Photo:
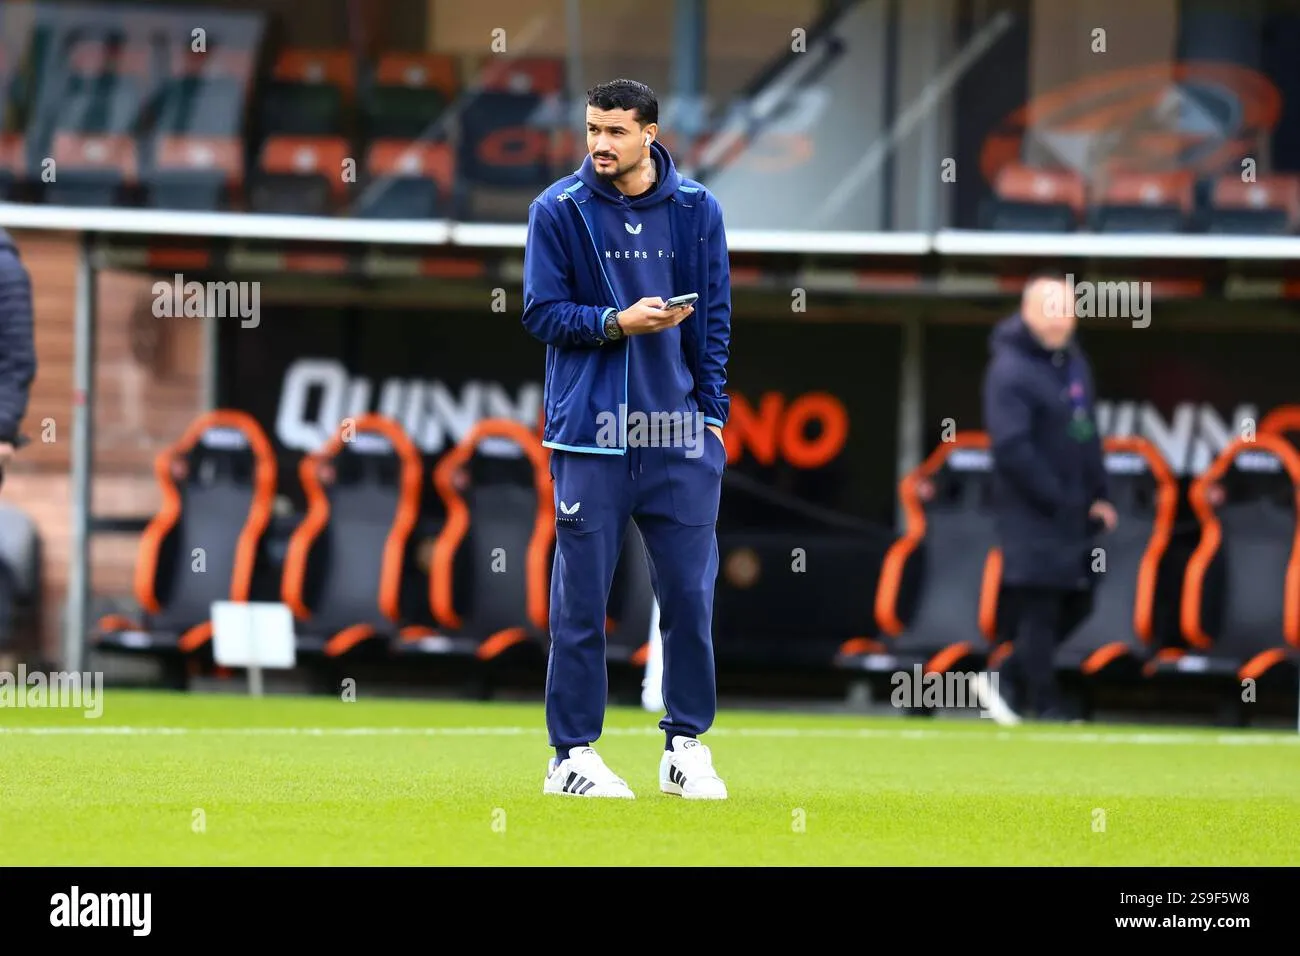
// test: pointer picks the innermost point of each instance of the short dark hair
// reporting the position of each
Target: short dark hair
(626, 95)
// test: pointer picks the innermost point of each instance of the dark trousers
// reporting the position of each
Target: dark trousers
(1042, 618)
(673, 494)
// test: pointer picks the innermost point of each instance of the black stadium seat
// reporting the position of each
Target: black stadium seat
(489, 578)
(218, 485)
(1240, 609)
(936, 600)
(346, 561)
(1121, 629)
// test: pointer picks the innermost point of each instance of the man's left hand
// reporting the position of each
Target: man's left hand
(1105, 512)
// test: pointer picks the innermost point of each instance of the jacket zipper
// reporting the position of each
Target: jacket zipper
(627, 347)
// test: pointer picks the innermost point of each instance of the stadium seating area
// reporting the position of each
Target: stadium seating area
(1037, 199)
(255, 127)
(361, 583)
(313, 132)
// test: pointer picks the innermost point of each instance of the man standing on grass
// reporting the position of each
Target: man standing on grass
(1050, 487)
(606, 248)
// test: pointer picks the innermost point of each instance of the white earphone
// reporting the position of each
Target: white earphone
(647, 139)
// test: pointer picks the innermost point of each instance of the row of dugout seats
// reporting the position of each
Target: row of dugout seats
(1226, 609)
(1037, 199)
(361, 577)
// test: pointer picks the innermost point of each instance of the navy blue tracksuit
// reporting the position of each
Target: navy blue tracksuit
(626, 421)
(1048, 469)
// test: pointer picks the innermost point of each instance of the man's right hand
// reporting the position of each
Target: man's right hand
(648, 315)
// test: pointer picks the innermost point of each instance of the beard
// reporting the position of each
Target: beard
(617, 171)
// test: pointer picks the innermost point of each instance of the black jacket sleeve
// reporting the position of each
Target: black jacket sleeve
(17, 345)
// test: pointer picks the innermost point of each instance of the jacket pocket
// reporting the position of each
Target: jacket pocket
(566, 371)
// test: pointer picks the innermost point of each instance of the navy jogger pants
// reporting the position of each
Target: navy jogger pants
(672, 493)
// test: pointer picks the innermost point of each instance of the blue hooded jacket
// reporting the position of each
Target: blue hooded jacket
(592, 251)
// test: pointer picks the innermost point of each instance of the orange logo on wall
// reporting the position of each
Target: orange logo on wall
(808, 432)
(1162, 118)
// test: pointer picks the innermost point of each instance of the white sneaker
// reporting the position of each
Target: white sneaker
(687, 771)
(584, 774)
(993, 702)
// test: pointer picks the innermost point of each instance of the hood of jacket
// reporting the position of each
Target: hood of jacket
(667, 180)
(1013, 334)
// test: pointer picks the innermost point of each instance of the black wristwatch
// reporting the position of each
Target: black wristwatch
(613, 331)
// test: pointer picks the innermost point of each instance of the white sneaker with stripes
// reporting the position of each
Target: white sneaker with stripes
(687, 771)
(584, 774)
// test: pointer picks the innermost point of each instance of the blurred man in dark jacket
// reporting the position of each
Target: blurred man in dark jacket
(1050, 482)
(17, 346)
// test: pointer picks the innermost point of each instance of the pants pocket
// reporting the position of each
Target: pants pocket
(695, 481)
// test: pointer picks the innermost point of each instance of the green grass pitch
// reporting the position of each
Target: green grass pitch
(193, 780)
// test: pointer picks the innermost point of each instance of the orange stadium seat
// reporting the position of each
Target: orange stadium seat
(346, 562)
(300, 175)
(408, 179)
(1029, 199)
(1124, 625)
(195, 172)
(1268, 206)
(1145, 202)
(309, 94)
(218, 484)
(93, 170)
(937, 594)
(410, 94)
(1240, 603)
(489, 580)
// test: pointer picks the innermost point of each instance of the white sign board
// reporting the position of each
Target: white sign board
(253, 635)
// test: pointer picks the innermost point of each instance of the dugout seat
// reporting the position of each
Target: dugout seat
(218, 486)
(1240, 606)
(1284, 420)
(489, 576)
(1122, 627)
(936, 598)
(345, 562)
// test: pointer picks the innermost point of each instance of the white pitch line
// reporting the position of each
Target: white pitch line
(1172, 738)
